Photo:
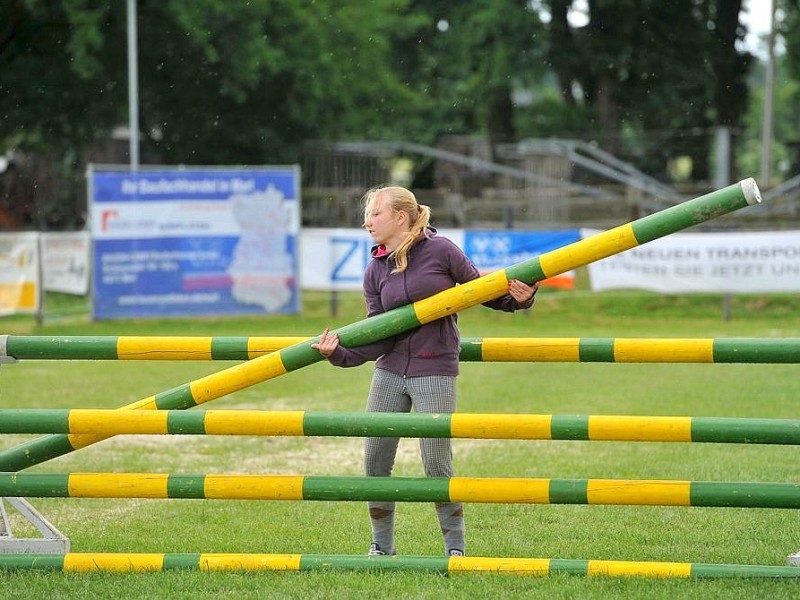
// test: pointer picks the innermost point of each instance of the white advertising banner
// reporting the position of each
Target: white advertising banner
(19, 273)
(748, 262)
(65, 262)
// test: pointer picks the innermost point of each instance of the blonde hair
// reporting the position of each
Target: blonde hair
(399, 199)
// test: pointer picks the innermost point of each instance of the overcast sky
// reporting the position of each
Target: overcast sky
(756, 15)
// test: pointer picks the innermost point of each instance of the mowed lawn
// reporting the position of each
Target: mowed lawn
(676, 534)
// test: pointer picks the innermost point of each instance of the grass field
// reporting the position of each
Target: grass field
(694, 534)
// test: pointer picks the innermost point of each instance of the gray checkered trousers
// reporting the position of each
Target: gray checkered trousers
(430, 394)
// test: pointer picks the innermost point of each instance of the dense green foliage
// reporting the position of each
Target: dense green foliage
(236, 82)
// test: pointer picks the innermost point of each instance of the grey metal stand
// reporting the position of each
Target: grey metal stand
(51, 542)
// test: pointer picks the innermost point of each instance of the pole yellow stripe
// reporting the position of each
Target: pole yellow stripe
(78, 440)
(672, 350)
(640, 429)
(108, 423)
(259, 346)
(531, 349)
(250, 562)
(506, 490)
(589, 250)
(614, 568)
(236, 378)
(655, 492)
(254, 422)
(508, 427)
(451, 301)
(117, 485)
(254, 487)
(522, 566)
(164, 348)
(117, 563)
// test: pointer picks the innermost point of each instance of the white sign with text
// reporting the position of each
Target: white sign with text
(746, 262)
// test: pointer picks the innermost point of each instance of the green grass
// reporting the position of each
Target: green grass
(581, 532)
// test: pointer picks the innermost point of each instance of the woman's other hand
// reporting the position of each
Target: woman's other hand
(522, 292)
(328, 342)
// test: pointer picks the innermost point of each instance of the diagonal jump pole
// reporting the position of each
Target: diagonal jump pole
(404, 318)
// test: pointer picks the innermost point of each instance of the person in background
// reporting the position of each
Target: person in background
(416, 369)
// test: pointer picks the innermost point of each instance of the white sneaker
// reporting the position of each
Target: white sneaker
(455, 552)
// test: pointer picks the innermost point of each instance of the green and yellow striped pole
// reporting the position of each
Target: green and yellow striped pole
(639, 492)
(618, 428)
(487, 349)
(74, 562)
(133, 347)
(408, 317)
(632, 350)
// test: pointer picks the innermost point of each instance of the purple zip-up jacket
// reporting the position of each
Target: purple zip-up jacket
(434, 264)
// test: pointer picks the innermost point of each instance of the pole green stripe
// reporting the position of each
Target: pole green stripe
(179, 422)
(691, 212)
(380, 326)
(745, 431)
(744, 494)
(471, 350)
(377, 424)
(43, 485)
(177, 398)
(311, 562)
(569, 427)
(744, 350)
(186, 486)
(596, 349)
(34, 420)
(301, 355)
(32, 562)
(232, 348)
(434, 564)
(706, 570)
(569, 491)
(34, 452)
(406, 489)
(530, 270)
(181, 561)
(404, 318)
(60, 348)
(570, 566)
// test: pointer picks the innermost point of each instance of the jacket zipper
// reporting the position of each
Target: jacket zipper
(408, 298)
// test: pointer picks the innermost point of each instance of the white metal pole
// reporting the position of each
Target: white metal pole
(766, 129)
(133, 86)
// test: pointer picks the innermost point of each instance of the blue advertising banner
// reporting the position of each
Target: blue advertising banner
(494, 250)
(194, 241)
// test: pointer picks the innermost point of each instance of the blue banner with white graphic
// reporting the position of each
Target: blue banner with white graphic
(494, 250)
(196, 241)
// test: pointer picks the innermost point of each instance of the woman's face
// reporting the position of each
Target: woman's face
(386, 226)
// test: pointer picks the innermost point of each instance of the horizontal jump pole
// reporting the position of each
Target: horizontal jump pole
(405, 318)
(621, 428)
(474, 349)
(403, 489)
(74, 562)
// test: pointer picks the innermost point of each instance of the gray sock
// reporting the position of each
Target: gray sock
(381, 516)
(451, 520)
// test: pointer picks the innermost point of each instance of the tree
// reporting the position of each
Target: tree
(652, 64)
(219, 81)
(469, 58)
